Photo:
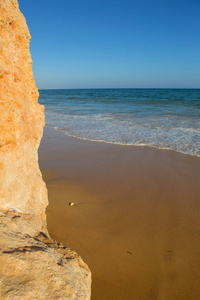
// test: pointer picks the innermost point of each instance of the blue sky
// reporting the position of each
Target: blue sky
(114, 43)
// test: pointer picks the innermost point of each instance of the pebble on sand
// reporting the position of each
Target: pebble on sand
(71, 203)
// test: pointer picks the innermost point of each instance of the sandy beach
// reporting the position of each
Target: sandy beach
(136, 218)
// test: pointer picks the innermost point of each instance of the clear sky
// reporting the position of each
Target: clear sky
(114, 43)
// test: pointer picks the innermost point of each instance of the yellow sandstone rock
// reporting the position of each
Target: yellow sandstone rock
(32, 266)
(21, 121)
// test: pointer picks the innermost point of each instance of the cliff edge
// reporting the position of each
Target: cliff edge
(32, 265)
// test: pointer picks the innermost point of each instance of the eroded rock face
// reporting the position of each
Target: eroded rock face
(21, 122)
(36, 267)
(32, 266)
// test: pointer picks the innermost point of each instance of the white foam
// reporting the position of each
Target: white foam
(176, 133)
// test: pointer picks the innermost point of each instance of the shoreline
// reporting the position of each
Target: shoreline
(136, 215)
(118, 144)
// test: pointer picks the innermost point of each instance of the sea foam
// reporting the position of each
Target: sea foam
(166, 119)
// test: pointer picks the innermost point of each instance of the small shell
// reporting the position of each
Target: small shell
(71, 203)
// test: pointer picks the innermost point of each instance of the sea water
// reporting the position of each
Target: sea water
(160, 118)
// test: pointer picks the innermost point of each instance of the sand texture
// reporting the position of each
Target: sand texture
(136, 218)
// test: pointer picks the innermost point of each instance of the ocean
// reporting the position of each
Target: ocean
(160, 118)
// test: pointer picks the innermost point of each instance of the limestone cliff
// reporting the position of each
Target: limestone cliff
(32, 266)
(21, 122)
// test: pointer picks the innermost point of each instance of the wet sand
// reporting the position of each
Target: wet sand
(136, 218)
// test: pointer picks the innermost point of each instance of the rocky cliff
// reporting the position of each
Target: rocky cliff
(32, 266)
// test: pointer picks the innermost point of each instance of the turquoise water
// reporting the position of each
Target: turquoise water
(161, 118)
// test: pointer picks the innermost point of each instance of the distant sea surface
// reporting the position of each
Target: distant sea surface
(160, 118)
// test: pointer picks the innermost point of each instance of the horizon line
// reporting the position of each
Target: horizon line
(125, 88)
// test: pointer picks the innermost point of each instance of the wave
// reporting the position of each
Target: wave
(176, 133)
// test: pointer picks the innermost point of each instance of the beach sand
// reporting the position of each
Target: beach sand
(136, 218)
